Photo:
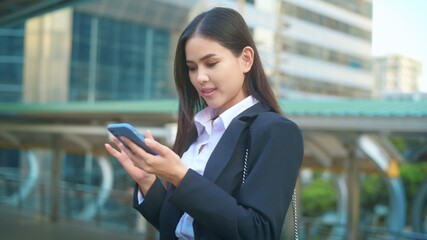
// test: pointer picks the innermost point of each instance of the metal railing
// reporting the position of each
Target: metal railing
(77, 202)
(117, 214)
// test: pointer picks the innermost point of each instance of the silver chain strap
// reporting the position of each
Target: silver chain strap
(245, 165)
(294, 195)
(295, 214)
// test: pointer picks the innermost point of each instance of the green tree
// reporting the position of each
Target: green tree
(318, 197)
(373, 191)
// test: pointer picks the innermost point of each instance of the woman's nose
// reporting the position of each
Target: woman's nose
(202, 76)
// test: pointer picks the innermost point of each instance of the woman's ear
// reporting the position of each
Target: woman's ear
(247, 58)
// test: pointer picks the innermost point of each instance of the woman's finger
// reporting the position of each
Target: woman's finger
(119, 144)
(135, 150)
(156, 146)
(148, 134)
(112, 150)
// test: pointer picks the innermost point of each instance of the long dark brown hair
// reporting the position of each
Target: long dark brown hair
(227, 27)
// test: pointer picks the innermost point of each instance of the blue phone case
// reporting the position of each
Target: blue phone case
(128, 131)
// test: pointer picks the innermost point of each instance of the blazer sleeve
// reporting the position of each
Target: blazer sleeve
(152, 204)
(259, 211)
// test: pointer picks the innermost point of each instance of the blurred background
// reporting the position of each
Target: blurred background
(68, 68)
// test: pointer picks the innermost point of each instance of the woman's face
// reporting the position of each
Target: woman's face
(216, 73)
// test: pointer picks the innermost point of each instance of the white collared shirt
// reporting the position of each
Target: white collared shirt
(210, 129)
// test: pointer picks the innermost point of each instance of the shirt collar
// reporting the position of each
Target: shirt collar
(203, 118)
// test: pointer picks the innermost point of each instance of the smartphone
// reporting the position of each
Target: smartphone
(128, 131)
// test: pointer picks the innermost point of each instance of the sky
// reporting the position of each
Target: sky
(400, 27)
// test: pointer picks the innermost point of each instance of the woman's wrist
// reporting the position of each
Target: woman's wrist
(146, 184)
(178, 176)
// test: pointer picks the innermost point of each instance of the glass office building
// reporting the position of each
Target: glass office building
(118, 60)
(78, 54)
(11, 63)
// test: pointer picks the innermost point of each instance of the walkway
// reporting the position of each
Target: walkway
(21, 225)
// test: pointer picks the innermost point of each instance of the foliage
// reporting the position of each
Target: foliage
(412, 174)
(400, 143)
(318, 197)
(413, 150)
(373, 191)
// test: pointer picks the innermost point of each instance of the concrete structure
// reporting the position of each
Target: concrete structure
(325, 48)
(347, 136)
(396, 74)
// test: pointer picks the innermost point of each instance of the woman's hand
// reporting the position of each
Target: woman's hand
(141, 177)
(167, 164)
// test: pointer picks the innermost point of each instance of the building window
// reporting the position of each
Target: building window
(324, 21)
(11, 63)
(118, 60)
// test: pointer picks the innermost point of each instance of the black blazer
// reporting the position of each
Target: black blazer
(221, 206)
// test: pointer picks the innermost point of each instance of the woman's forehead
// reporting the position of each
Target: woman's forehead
(199, 47)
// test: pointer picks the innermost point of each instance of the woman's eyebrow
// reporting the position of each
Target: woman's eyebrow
(203, 58)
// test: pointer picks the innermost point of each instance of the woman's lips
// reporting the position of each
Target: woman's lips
(207, 92)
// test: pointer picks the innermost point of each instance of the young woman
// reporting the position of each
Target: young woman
(234, 165)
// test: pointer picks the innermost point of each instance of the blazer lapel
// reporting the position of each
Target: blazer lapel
(224, 150)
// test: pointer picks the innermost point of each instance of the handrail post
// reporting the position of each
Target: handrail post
(55, 181)
(353, 183)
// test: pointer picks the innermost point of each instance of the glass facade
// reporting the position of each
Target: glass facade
(11, 63)
(118, 60)
(11, 68)
(110, 59)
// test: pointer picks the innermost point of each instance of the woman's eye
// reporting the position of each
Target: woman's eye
(211, 64)
(192, 68)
